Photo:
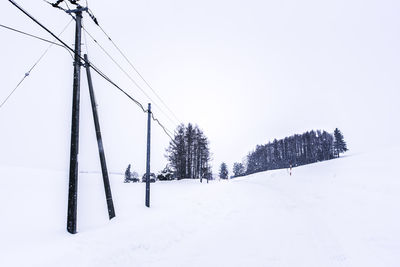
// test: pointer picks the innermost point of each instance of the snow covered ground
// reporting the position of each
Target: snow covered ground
(343, 212)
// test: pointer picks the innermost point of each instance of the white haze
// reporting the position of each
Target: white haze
(244, 71)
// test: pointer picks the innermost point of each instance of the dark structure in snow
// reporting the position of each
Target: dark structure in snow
(189, 154)
(166, 174)
(296, 150)
(131, 176)
(153, 178)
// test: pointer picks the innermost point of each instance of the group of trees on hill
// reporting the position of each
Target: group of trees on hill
(296, 150)
(189, 154)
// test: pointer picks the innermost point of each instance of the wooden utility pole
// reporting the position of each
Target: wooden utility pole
(148, 158)
(73, 165)
(107, 188)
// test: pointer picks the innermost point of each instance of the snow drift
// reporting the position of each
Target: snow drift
(342, 212)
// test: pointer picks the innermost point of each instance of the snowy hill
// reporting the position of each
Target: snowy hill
(342, 212)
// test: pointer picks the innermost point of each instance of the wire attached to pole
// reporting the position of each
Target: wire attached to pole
(127, 74)
(131, 64)
(91, 65)
(30, 35)
(34, 65)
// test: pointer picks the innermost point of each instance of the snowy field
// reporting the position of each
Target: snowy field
(343, 212)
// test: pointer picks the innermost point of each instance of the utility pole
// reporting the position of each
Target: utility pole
(73, 165)
(107, 188)
(148, 158)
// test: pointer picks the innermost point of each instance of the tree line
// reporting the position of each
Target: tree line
(295, 150)
(189, 155)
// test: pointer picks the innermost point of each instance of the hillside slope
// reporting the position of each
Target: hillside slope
(343, 212)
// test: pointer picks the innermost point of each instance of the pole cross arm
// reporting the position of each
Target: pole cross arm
(78, 9)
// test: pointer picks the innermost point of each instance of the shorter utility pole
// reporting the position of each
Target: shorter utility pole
(107, 188)
(148, 158)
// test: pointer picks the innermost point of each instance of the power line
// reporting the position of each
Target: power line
(12, 92)
(34, 65)
(127, 74)
(166, 131)
(115, 85)
(118, 65)
(41, 25)
(140, 75)
(31, 35)
(162, 126)
(91, 65)
(131, 64)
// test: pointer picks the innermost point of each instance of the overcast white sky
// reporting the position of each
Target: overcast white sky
(245, 71)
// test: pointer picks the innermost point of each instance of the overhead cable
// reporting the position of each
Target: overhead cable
(31, 35)
(91, 65)
(127, 74)
(90, 13)
(131, 64)
(34, 65)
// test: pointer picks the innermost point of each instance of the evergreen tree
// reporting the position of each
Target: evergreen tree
(189, 139)
(238, 169)
(128, 174)
(223, 171)
(189, 153)
(339, 144)
(176, 153)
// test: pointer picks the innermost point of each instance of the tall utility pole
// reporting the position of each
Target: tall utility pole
(148, 158)
(73, 164)
(73, 167)
(107, 189)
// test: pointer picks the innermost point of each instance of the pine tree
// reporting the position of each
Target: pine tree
(176, 153)
(223, 171)
(189, 153)
(189, 139)
(128, 174)
(339, 144)
(238, 169)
